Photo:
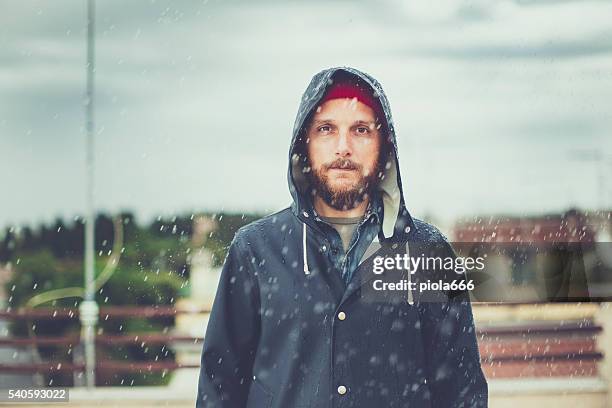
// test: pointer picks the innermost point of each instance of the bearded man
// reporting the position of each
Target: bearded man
(290, 326)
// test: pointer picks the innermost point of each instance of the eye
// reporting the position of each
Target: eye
(362, 130)
(324, 128)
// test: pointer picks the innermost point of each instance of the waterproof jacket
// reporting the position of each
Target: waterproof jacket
(286, 332)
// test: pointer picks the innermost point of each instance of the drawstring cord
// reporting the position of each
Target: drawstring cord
(306, 270)
(410, 299)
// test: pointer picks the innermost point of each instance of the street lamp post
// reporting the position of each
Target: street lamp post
(88, 310)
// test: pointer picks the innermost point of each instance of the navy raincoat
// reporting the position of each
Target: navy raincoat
(286, 332)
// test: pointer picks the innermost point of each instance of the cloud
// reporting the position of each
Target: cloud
(195, 100)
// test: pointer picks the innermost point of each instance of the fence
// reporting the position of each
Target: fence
(536, 349)
(102, 340)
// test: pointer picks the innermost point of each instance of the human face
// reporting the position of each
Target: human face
(343, 145)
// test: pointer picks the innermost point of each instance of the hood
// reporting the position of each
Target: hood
(397, 222)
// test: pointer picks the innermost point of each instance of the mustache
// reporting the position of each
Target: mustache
(344, 164)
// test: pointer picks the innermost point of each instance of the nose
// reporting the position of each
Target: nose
(343, 148)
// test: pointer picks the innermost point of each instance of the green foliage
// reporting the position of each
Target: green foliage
(39, 271)
(130, 284)
(219, 251)
(153, 270)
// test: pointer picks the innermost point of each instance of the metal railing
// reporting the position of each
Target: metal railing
(101, 340)
(551, 348)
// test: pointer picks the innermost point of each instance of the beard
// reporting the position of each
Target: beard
(345, 197)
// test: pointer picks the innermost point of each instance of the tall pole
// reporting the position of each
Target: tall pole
(88, 309)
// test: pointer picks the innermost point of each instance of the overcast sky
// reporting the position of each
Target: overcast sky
(495, 102)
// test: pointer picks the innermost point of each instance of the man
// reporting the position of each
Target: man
(290, 325)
